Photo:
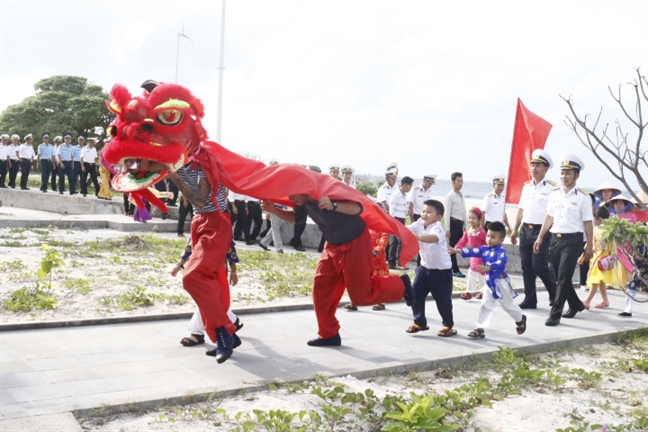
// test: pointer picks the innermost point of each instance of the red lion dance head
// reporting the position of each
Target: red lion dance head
(154, 133)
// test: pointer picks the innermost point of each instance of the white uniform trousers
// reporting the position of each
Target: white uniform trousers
(196, 327)
(488, 304)
(627, 306)
(475, 281)
(275, 234)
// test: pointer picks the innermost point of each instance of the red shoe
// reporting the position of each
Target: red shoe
(479, 296)
(466, 296)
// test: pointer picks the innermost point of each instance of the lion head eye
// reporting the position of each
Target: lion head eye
(112, 130)
(170, 117)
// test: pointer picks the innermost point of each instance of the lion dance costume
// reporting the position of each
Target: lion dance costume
(159, 132)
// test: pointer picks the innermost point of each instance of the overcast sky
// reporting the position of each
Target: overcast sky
(430, 84)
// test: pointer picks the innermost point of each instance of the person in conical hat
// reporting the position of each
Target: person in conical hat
(605, 192)
(621, 206)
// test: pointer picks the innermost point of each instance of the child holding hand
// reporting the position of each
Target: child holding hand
(474, 236)
(497, 289)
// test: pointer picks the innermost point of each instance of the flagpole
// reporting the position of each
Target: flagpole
(220, 75)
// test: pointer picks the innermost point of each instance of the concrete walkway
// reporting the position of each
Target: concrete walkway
(61, 370)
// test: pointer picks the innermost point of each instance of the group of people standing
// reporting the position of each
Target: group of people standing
(59, 159)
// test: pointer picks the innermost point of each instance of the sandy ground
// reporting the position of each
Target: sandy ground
(91, 274)
(619, 398)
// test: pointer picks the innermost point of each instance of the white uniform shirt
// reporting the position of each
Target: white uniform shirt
(434, 256)
(89, 155)
(534, 201)
(417, 196)
(12, 151)
(4, 152)
(569, 210)
(494, 207)
(455, 207)
(233, 196)
(251, 199)
(26, 151)
(398, 204)
(385, 191)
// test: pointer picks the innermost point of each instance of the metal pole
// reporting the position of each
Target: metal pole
(177, 57)
(220, 76)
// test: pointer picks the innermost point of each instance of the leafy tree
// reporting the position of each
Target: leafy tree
(367, 188)
(61, 104)
(625, 142)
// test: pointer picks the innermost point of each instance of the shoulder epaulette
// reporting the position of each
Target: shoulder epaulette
(556, 188)
(529, 182)
(583, 191)
(417, 187)
(490, 195)
(551, 182)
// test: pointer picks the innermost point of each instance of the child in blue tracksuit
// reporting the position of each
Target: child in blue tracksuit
(498, 287)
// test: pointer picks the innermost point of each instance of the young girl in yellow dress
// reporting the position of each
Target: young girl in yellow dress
(605, 269)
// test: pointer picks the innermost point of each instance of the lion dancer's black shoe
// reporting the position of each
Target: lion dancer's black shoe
(224, 345)
(236, 340)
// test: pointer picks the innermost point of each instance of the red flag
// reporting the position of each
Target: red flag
(529, 134)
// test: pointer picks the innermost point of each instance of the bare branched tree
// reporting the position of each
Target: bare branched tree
(630, 155)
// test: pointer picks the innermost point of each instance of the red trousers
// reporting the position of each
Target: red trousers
(205, 276)
(349, 266)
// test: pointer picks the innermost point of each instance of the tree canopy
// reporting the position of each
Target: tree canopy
(61, 104)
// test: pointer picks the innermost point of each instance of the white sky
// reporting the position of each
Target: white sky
(430, 84)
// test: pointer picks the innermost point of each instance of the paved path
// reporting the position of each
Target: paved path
(61, 370)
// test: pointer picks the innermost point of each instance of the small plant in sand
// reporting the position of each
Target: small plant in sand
(37, 296)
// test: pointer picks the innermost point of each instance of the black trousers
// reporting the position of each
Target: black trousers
(174, 190)
(66, 170)
(565, 251)
(46, 171)
(535, 264)
(296, 241)
(242, 226)
(76, 173)
(182, 214)
(54, 175)
(129, 208)
(416, 217)
(439, 284)
(13, 172)
(91, 169)
(584, 270)
(3, 173)
(395, 246)
(456, 232)
(25, 168)
(254, 215)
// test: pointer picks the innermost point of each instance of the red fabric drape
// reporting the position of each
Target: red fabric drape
(276, 183)
(530, 133)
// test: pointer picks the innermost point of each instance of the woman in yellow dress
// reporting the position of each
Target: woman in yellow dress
(104, 190)
(605, 268)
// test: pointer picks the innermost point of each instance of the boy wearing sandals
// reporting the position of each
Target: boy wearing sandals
(434, 275)
(498, 287)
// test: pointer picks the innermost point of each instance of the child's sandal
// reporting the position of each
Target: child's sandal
(447, 332)
(350, 306)
(466, 296)
(415, 328)
(379, 307)
(479, 296)
(520, 327)
(478, 333)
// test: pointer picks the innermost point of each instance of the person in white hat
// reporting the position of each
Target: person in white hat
(55, 169)
(605, 192)
(494, 204)
(347, 175)
(419, 194)
(455, 219)
(385, 191)
(621, 206)
(528, 222)
(26, 155)
(569, 217)
(334, 171)
(14, 160)
(44, 157)
(4, 159)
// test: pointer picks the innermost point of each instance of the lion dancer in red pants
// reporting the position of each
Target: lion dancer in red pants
(205, 277)
(346, 262)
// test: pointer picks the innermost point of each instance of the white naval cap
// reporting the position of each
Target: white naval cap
(392, 172)
(542, 156)
(92, 139)
(570, 161)
(28, 136)
(393, 165)
(347, 168)
(15, 136)
(4, 136)
(58, 138)
(334, 167)
(273, 161)
(430, 177)
(499, 179)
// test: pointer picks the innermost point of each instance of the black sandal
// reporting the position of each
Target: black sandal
(378, 307)
(350, 306)
(188, 342)
(478, 333)
(520, 327)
